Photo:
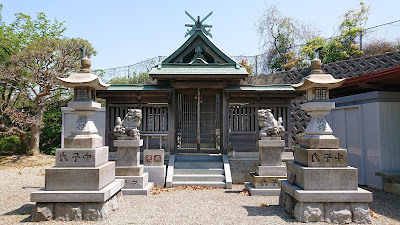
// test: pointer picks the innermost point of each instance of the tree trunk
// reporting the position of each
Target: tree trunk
(35, 130)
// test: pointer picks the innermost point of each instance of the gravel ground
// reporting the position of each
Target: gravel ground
(215, 206)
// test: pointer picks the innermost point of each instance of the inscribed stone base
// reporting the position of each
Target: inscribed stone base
(144, 191)
(79, 178)
(265, 182)
(78, 211)
(153, 157)
(129, 170)
(78, 157)
(261, 191)
(136, 182)
(156, 174)
(78, 196)
(271, 171)
(321, 157)
(83, 141)
(324, 178)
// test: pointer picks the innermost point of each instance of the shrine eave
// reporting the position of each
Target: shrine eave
(260, 88)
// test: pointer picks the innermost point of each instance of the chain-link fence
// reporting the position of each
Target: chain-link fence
(385, 36)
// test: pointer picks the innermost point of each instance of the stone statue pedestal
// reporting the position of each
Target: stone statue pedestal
(129, 168)
(153, 161)
(265, 181)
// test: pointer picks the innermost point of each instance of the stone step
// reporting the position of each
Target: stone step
(214, 171)
(218, 184)
(198, 177)
(207, 157)
(198, 164)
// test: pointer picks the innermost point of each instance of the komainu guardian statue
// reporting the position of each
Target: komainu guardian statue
(128, 127)
(270, 127)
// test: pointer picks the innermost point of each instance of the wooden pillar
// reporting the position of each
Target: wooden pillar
(225, 122)
(171, 123)
(289, 122)
(107, 127)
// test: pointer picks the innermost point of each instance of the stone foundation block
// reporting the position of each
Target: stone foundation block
(43, 211)
(309, 212)
(287, 202)
(129, 170)
(319, 141)
(68, 211)
(265, 182)
(128, 156)
(83, 141)
(97, 211)
(321, 157)
(78, 157)
(337, 213)
(136, 182)
(324, 178)
(79, 178)
(271, 171)
(360, 213)
(157, 174)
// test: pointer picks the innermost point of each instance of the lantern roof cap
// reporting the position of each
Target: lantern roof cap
(84, 77)
(317, 79)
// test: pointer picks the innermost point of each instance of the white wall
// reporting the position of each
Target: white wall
(389, 124)
(368, 126)
(68, 120)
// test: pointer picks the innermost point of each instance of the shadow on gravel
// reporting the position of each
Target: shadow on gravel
(23, 210)
(233, 192)
(384, 203)
(272, 210)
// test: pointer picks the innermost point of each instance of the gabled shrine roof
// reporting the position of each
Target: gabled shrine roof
(199, 57)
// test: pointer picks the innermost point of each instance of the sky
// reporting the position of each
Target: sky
(127, 32)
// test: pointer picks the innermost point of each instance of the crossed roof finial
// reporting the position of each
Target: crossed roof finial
(198, 24)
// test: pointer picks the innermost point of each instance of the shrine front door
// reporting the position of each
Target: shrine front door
(198, 121)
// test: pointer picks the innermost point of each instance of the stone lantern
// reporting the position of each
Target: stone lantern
(85, 84)
(82, 184)
(320, 185)
(318, 133)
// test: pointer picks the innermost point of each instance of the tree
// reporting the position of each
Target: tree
(343, 46)
(280, 38)
(33, 73)
(380, 47)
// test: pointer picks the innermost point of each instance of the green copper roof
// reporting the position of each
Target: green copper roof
(198, 70)
(269, 87)
(138, 87)
(208, 45)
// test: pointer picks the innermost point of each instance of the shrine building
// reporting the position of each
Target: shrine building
(198, 106)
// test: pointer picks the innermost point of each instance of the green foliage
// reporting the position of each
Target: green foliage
(11, 145)
(343, 46)
(142, 78)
